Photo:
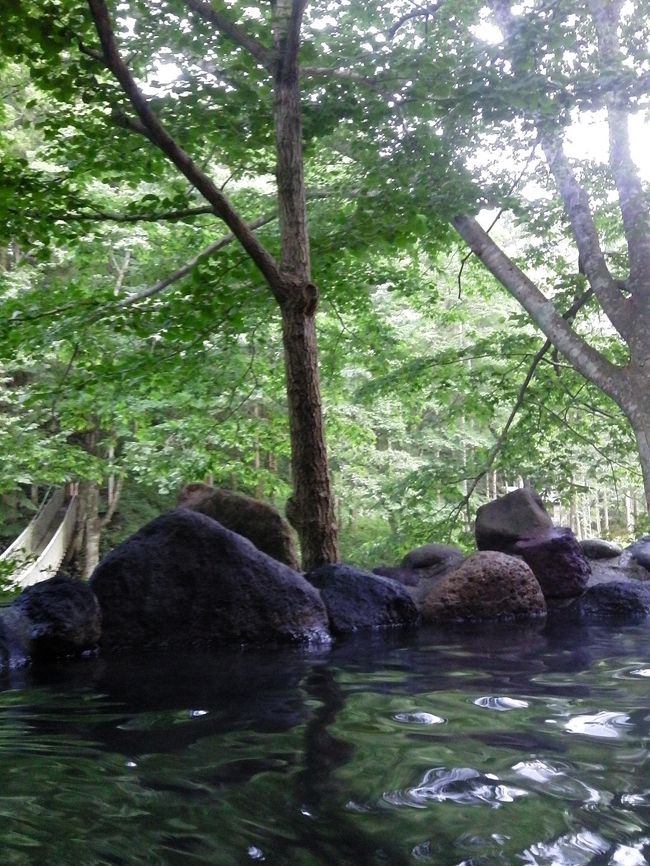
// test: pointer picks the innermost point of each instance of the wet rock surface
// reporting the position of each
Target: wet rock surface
(55, 618)
(357, 600)
(185, 579)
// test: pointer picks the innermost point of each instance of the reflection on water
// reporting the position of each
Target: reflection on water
(481, 747)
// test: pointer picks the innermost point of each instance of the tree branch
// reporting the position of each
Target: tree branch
(420, 12)
(110, 216)
(189, 266)
(175, 153)
(576, 203)
(568, 316)
(585, 359)
(636, 219)
(228, 28)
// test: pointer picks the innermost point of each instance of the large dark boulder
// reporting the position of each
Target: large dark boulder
(258, 521)
(64, 617)
(557, 561)
(357, 600)
(500, 524)
(185, 579)
(55, 618)
(488, 586)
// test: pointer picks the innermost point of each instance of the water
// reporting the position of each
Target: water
(478, 747)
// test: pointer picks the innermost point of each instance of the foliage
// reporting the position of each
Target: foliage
(406, 124)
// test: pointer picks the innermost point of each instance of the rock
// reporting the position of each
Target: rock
(357, 600)
(611, 570)
(436, 558)
(557, 561)
(64, 617)
(185, 579)
(619, 600)
(487, 586)
(53, 618)
(258, 521)
(405, 576)
(500, 524)
(597, 548)
(638, 554)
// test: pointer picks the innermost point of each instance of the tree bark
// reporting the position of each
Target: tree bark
(311, 507)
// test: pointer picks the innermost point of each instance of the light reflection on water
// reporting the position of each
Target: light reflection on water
(477, 747)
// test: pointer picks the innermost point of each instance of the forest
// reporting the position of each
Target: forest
(375, 263)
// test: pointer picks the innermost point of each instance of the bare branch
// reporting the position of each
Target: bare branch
(169, 215)
(332, 72)
(636, 219)
(585, 359)
(235, 33)
(569, 316)
(189, 266)
(576, 203)
(175, 153)
(420, 12)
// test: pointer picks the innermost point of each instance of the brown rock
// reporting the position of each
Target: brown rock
(257, 521)
(487, 586)
(502, 523)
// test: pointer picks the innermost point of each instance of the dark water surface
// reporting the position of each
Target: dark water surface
(510, 746)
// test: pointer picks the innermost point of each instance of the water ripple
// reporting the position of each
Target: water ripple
(582, 848)
(419, 719)
(606, 725)
(461, 785)
(555, 781)
(500, 703)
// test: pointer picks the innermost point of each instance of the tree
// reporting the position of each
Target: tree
(610, 78)
(288, 275)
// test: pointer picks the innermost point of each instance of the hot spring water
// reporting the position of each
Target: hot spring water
(482, 746)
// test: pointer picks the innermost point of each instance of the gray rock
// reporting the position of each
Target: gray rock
(597, 548)
(638, 555)
(488, 586)
(436, 558)
(405, 576)
(357, 600)
(610, 570)
(185, 579)
(500, 524)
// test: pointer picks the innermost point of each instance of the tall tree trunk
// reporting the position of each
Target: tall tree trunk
(311, 509)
